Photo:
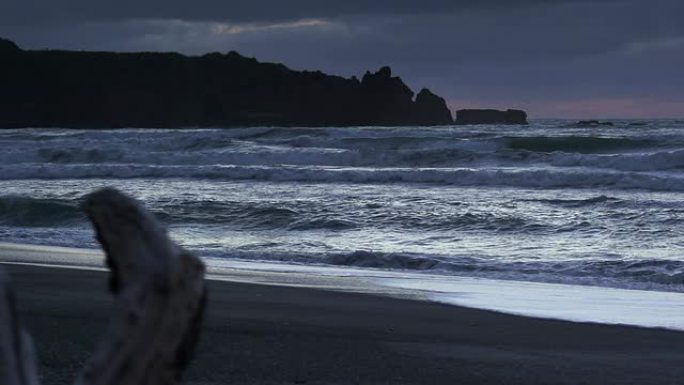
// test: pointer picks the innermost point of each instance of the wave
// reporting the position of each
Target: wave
(214, 212)
(576, 203)
(417, 147)
(454, 155)
(245, 215)
(33, 212)
(78, 155)
(649, 274)
(655, 161)
(335, 217)
(502, 177)
(610, 271)
(578, 144)
(384, 260)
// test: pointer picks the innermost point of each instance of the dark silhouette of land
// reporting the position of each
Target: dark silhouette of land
(103, 89)
(51, 88)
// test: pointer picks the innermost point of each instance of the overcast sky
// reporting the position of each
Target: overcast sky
(554, 58)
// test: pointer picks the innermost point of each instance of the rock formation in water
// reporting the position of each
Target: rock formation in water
(103, 89)
(431, 109)
(491, 117)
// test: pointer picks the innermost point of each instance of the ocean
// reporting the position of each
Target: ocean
(548, 202)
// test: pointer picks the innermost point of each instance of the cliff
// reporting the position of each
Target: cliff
(491, 117)
(104, 89)
(8, 47)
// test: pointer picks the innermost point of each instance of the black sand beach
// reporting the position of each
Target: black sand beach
(255, 334)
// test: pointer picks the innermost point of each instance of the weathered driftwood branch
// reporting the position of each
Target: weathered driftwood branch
(160, 297)
(17, 361)
(160, 301)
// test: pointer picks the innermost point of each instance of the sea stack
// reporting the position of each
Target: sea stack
(431, 110)
(488, 116)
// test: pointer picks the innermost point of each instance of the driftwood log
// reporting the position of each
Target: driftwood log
(17, 362)
(160, 298)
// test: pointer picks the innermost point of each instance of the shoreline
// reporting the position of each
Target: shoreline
(264, 334)
(553, 301)
(576, 303)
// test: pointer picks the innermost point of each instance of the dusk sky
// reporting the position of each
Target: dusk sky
(567, 59)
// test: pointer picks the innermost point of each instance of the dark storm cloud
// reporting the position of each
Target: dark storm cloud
(495, 53)
(41, 11)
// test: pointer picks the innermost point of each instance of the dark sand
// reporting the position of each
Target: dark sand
(278, 335)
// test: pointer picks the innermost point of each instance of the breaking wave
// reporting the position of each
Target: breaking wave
(655, 274)
(545, 202)
(578, 144)
(417, 147)
(511, 177)
(21, 211)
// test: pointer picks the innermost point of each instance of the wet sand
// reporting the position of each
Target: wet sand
(259, 334)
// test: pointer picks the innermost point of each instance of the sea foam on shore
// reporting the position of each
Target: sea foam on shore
(544, 300)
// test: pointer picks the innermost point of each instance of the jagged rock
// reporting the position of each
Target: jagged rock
(431, 109)
(8, 46)
(109, 90)
(488, 116)
(386, 100)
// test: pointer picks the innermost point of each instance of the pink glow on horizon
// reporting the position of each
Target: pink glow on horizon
(628, 108)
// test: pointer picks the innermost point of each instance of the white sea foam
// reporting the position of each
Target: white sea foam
(557, 301)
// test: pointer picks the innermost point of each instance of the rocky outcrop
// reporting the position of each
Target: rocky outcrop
(431, 110)
(385, 99)
(108, 90)
(491, 117)
(7, 46)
